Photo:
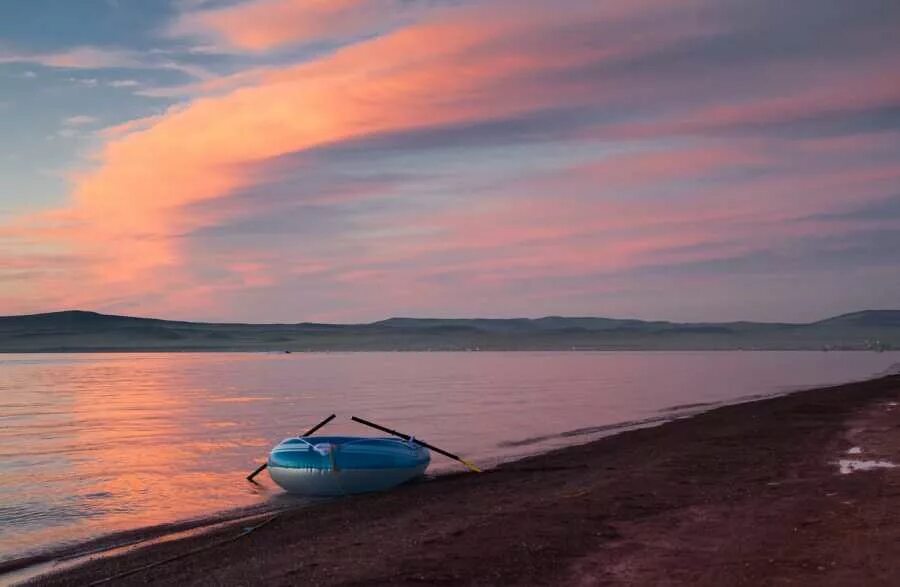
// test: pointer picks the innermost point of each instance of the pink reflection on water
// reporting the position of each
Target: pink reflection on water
(92, 444)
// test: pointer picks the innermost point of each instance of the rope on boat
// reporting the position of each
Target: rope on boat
(246, 532)
(332, 459)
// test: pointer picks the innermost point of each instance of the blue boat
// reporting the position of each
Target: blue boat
(344, 465)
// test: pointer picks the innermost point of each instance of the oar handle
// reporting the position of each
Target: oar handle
(309, 432)
(416, 440)
(258, 470)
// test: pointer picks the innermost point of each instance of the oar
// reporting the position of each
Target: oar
(419, 442)
(309, 432)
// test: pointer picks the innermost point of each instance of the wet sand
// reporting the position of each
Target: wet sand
(746, 494)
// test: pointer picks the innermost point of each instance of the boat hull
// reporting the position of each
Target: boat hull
(333, 465)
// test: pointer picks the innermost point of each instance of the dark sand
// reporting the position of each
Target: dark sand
(747, 494)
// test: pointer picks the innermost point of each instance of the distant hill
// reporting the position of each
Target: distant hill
(75, 330)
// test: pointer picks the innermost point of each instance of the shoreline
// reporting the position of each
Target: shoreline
(574, 512)
(100, 546)
(29, 563)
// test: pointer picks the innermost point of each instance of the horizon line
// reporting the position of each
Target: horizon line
(422, 318)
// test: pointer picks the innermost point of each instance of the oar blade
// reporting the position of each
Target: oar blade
(471, 466)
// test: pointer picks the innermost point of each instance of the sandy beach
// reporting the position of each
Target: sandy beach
(797, 489)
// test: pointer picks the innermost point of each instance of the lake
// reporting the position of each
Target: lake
(97, 443)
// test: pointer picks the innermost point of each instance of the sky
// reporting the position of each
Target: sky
(350, 160)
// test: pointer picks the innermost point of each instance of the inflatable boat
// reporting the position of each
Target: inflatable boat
(343, 465)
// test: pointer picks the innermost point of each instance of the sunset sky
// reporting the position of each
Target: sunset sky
(350, 160)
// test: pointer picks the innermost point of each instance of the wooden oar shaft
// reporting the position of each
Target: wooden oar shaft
(407, 437)
(309, 432)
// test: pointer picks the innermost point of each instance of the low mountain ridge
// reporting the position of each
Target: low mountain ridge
(77, 330)
(866, 318)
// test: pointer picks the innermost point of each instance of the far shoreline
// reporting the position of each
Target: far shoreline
(85, 331)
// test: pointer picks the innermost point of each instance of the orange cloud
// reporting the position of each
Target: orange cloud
(129, 211)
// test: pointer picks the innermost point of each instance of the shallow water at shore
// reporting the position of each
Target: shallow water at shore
(92, 444)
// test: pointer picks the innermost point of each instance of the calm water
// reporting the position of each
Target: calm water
(91, 444)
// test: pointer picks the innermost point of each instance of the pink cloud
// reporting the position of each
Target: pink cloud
(804, 93)
(594, 219)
